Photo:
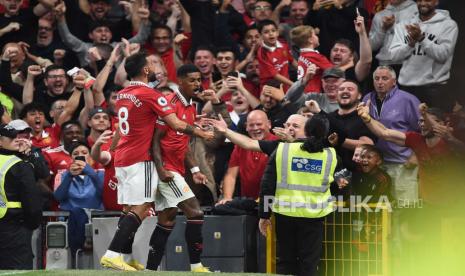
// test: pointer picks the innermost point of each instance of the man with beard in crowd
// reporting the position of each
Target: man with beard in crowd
(345, 120)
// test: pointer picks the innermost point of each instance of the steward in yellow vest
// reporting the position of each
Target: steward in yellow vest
(20, 204)
(296, 187)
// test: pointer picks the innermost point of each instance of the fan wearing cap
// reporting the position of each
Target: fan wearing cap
(20, 204)
(330, 79)
(98, 122)
(30, 153)
(99, 32)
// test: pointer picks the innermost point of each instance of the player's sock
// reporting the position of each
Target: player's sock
(194, 238)
(157, 245)
(127, 249)
(125, 233)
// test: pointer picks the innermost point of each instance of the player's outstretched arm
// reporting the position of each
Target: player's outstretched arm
(173, 121)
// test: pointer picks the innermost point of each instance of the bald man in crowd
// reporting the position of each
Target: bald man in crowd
(247, 164)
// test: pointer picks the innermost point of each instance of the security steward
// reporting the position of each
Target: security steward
(296, 185)
(20, 204)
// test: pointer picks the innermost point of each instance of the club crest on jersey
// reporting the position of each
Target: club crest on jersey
(162, 101)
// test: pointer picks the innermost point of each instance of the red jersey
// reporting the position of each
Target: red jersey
(435, 169)
(168, 60)
(110, 185)
(48, 139)
(307, 57)
(272, 61)
(174, 145)
(251, 165)
(138, 107)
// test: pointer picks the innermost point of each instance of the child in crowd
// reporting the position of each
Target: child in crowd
(306, 38)
(273, 56)
(374, 181)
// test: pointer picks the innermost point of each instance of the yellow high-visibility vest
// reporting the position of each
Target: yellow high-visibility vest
(303, 181)
(6, 162)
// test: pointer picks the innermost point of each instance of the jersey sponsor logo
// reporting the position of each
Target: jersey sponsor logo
(306, 165)
(162, 101)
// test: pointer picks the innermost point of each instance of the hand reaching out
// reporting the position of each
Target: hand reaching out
(220, 125)
(363, 111)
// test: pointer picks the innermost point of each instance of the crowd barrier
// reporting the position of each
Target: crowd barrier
(355, 242)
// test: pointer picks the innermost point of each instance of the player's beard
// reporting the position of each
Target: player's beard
(151, 77)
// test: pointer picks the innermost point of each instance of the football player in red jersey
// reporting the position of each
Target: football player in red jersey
(170, 149)
(138, 107)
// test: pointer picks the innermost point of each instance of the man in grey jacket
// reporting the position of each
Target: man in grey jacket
(426, 45)
(99, 33)
(382, 28)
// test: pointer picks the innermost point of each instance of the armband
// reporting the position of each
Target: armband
(195, 170)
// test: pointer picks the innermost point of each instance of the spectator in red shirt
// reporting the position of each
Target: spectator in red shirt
(306, 38)
(162, 43)
(42, 137)
(204, 59)
(246, 164)
(273, 56)
(225, 63)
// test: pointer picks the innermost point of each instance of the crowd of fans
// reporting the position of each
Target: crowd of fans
(266, 66)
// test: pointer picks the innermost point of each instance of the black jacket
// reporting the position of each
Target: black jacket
(20, 185)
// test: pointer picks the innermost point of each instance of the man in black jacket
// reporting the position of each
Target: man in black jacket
(20, 204)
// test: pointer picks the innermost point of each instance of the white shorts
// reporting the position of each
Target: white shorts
(137, 183)
(170, 194)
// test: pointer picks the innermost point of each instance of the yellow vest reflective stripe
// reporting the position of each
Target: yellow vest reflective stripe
(6, 162)
(303, 181)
